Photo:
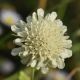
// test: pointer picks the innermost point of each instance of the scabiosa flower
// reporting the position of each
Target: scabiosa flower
(42, 40)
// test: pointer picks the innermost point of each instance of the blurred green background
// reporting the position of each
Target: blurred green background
(13, 10)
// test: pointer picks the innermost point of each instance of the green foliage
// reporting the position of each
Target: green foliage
(76, 48)
(61, 8)
(4, 40)
(26, 74)
(19, 76)
(23, 76)
(13, 77)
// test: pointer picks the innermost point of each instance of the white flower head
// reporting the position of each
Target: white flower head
(42, 40)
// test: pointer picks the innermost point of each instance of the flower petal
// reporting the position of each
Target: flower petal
(54, 63)
(59, 22)
(18, 41)
(22, 34)
(53, 16)
(44, 70)
(29, 19)
(40, 13)
(16, 51)
(34, 17)
(33, 63)
(60, 63)
(66, 54)
(14, 29)
(25, 53)
(67, 43)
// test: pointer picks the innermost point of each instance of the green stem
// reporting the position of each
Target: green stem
(33, 74)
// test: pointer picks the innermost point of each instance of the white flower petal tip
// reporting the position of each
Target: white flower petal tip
(22, 22)
(42, 40)
(18, 40)
(54, 63)
(40, 12)
(44, 70)
(29, 19)
(25, 53)
(33, 63)
(53, 16)
(16, 51)
(59, 22)
(13, 28)
(66, 54)
(34, 16)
